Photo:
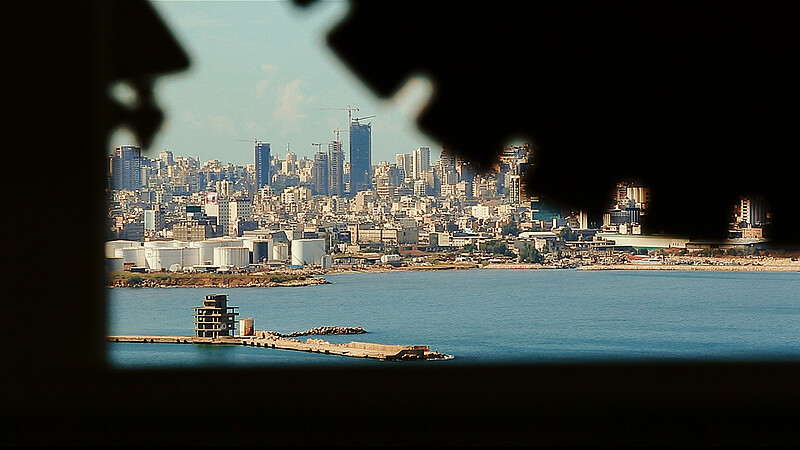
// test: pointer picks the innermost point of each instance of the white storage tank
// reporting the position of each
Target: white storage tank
(162, 257)
(262, 250)
(307, 251)
(114, 264)
(134, 255)
(206, 250)
(229, 241)
(113, 247)
(327, 261)
(231, 256)
(280, 251)
(247, 241)
(191, 257)
(160, 244)
(390, 258)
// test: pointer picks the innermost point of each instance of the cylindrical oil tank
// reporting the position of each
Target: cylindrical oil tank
(247, 241)
(390, 258)
(262, 250)
(162, 258)
(159, 244)
(191, 256)
(280, 251)
(114, 264)
(206, 250)
(230, 241)
(134, 255)
(307, 251)
(231, 256)
(246, 326)
(113, 247)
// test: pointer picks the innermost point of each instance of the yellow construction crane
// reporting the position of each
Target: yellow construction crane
(349, 110)
(254, 141)
(337, 131)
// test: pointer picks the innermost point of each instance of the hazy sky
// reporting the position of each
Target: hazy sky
(261, 70)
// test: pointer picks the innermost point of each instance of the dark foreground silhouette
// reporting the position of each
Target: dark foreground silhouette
(698, 103)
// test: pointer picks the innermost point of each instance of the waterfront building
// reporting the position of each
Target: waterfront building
(215, 318)
(360, 157)
(262, 159)
(307, 251)
(752, 211)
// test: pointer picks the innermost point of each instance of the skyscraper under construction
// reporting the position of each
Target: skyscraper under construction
(360, 157)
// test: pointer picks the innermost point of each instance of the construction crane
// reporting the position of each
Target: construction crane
(319, 146)
(349, 110)
(254, 141)
(356, 119)
(337, 131)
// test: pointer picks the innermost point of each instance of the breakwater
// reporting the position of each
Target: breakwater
(709, 267)
(318, 331)
(275, 340)
(160, 280)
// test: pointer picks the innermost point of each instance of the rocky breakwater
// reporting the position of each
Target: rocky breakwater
(316, 331)
(162, 279)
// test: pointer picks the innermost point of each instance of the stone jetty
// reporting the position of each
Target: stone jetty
(319, 331)
(275, 340)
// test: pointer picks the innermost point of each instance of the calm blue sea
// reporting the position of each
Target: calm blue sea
(488, 316)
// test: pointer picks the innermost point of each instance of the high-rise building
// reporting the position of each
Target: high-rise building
(166, 158)
(448, 158)
(319, 173)
(289, 165)
(335, 169)
(154, 219)
(126, 168)
(360, 157)
(404, 163)
(752, 211)
(262, 164)
(420, 162)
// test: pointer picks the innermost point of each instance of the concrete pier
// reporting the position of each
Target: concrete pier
(370, 350)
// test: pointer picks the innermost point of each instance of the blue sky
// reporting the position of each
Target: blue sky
(261, 70)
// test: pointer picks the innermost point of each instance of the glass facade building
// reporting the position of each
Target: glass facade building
(360, 157)
(126, 168)
(262, 164)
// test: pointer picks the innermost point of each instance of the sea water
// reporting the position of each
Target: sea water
(486, 316)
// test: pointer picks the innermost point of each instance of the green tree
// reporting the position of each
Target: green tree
(510, 229)
(528, 253)
(496, 247)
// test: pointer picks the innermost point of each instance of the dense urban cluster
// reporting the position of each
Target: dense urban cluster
(177, 213)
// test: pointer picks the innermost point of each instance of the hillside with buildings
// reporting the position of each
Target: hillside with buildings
(176, 214)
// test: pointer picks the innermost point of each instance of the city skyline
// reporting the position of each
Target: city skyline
(262, 71)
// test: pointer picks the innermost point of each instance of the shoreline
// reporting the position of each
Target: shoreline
(695, 267)
(313, 277)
